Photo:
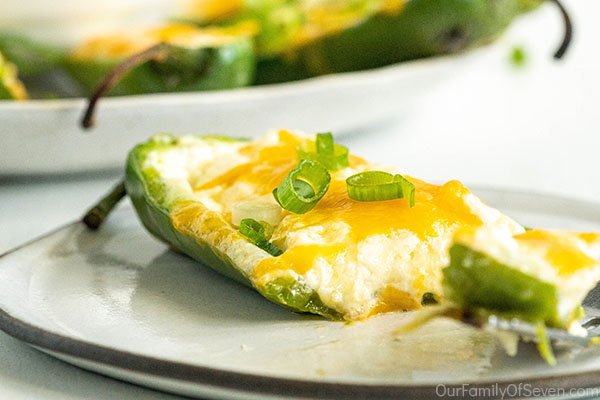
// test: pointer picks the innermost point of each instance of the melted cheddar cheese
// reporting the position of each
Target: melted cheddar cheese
(129, 42)
(212, 10)
(286, 25)
(356, 258)
(360, 257)
(323, 18)
(10, 81)
(562, 251)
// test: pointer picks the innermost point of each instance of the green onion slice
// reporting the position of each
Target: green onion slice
(408, 189)
(324, 144)
(259, 234)
(324, 150)
(304, 186)
(260, 209)
(543, 344)
(380, 186)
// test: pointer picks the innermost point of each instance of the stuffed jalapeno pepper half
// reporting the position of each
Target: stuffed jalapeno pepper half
(305, 38)
(168, 58)
(317, 230)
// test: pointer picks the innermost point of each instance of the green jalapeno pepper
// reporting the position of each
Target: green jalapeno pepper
(190, 191)
(477, 282)
(11, 87)
(30, 57)
(217, 245)
(300, 39)
(171, 58)
(535, 282)
(422, 28)
(539, 276)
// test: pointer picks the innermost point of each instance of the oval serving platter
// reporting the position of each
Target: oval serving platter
(119, 303)
(44, 137)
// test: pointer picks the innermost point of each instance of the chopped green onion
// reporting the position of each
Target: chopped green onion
(253, 230)
(518, 56)
(543, 344)
(324, 144)
(380, 186)
(429, 299)
(259, 209)
(259, 235)
(304, 186)
(423, 317)
(324, 150)
(408, 189)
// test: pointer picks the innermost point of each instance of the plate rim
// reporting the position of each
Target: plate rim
(256, 384)
(329, 81)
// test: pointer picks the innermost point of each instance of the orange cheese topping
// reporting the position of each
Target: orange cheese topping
(393, 6)
(128, 42)
(195, 219)
(561, 252)
(267, 167)
(439, 211)
(299, 259)
(590, 237)
(392, 299)
(8, 78)
(210, 10)
(328, 18)
(437, 208)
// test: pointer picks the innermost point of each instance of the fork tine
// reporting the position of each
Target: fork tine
(590, 323)
(528, 330)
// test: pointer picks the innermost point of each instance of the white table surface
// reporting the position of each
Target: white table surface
(535, 128)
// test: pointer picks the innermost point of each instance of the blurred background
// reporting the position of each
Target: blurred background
(528, 127)
(533, 128)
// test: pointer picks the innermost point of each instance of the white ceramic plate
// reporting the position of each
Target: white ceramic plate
(119, 303)
(44, 137)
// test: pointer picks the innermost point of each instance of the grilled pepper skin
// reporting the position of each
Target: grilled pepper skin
(418, 29)
(423, 28)
(476, 282)
(30, 57)
(154, 201)
(186, 69)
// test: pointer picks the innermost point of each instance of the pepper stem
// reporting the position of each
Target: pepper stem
(157, 52)
(568, 34)
(96, 215)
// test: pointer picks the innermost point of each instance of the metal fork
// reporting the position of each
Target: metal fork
(525, 329)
